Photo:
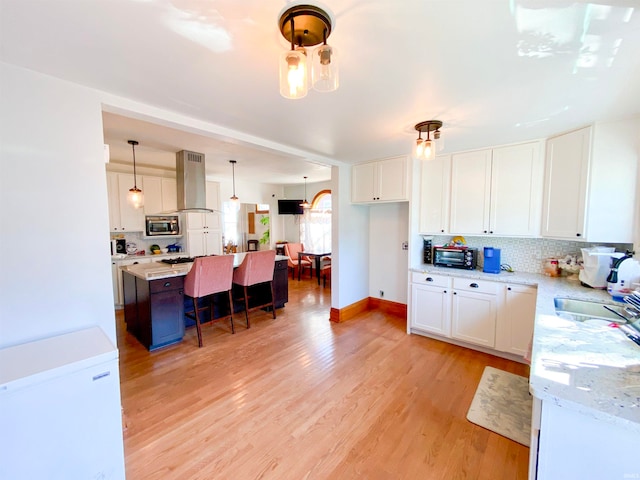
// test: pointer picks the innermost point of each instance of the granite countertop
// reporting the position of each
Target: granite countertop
(585, 366)
(159, 270)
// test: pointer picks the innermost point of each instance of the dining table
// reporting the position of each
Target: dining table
(317, 257)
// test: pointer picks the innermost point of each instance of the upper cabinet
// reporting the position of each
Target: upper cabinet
(159, 195)
(497, 191)
(212, 196)
(380, 181)
(435, 185)
(123, 217)
(590, 183)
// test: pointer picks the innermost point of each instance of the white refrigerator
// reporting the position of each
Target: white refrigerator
(60, 409)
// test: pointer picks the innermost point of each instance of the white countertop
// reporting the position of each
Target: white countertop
(585, 366)
(158, 270)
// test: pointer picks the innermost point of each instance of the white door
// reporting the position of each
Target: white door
(434, 195)
(392, 179)
(566, 170)
(474, 317)
(152, 195)
(516, 190)
(516, 318)
(362, 182)
(431, 309)
(470, 190)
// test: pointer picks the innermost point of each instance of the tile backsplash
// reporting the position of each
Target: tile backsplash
(527, 254)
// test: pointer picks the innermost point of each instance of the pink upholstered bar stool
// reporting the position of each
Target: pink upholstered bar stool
(207, 276)
(256, 268)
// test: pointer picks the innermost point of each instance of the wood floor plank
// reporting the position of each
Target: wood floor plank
(300, 397)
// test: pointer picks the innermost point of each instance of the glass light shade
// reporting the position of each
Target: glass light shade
(419, 148)
(135, 197)
(293, 73)
(429, 152)
(324, 69)
(235, 203)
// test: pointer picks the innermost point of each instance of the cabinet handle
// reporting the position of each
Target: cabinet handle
(490, 231)
(429, 279)
(473, 285)
(485, 231)
(442, 230)
(167, 284)
(444, 291)
(181, 292)
(508, 288)
(578, 234)
(455, 293)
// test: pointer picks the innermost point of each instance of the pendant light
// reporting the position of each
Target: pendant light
(425, 149)
(135, 196)
(235, 201)
(305, 204)
(307, 26)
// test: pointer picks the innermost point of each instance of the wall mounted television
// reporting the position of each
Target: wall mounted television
(290, 207)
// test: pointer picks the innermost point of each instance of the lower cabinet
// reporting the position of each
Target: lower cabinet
(431, 306)
(489, 314)
(474, 311)
(153, 310)
(116, 271)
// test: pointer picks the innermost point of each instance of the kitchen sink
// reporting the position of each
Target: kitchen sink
(581, 310)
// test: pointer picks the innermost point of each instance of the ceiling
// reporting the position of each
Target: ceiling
(493, 71)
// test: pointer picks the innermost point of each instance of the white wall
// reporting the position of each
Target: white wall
(350, 249)
(388, 262)
(55, 229)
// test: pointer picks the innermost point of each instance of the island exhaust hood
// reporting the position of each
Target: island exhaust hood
(191, 181)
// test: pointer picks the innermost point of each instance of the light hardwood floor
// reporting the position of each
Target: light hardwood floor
(300, 397)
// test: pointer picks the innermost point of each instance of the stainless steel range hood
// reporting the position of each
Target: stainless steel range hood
(191, 181)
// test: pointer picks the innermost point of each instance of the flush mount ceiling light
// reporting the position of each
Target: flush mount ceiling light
(135, 196)
(426, 149)
(307, 26)
(234, 200)
(305, 204)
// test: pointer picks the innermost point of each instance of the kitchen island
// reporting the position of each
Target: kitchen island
(154, 299)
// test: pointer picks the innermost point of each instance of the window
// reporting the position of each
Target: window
(315, 227)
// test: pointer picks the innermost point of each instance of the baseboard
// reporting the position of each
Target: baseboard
(366, 304)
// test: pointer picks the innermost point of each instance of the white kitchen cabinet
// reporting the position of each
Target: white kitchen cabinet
(431, 303)
(474, 311)
(380, 181)
(117, 271)
(516, 190)
(497, 191)
(590, 183)
(470, 192)
(212, 196)
(159, 195)
(123, 217)
(204, 233)
(516, 316)
(435, 188)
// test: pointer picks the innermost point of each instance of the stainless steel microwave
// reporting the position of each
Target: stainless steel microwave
(452, 257)
(162, 225)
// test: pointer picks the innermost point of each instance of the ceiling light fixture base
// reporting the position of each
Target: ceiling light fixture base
(311, 25)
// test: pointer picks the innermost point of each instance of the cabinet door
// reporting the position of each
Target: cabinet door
(152, 195)
(212, 221)
(434, 195)
(392, 180)
(196, 243)
(474, 317)
(470, 191)
(363, 180)
(212, 198)
(114, 201)
(430, 309)
(516, 317)
(516, 190)
(169, 195)
(566, 170)
(195, 220)
(131, 219)
(167, 313)
(212, 242)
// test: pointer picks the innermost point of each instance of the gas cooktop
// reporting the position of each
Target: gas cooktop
(173, 261)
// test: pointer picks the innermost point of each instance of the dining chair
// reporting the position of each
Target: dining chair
(209, 275)
(256, 268)
(325, 272)
(291, 251)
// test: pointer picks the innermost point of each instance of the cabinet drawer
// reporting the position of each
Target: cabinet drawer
(281, 265)
(431, 279)
(164, 284)
(473, 285)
